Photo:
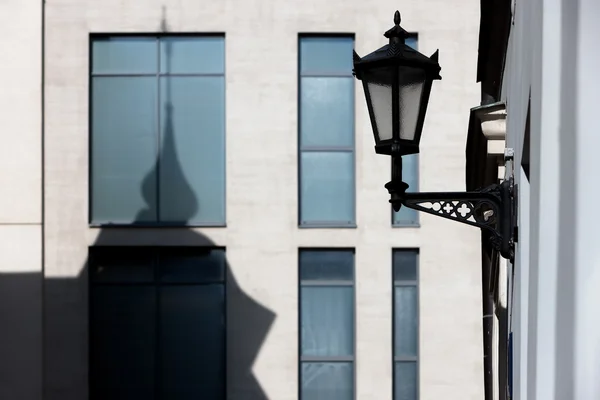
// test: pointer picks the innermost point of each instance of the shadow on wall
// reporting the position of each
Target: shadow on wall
(116, 318)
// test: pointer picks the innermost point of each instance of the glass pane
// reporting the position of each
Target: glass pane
(121, 266)
(406, 381)
(192, 351)
(327, 321)
(327, 381)
(192, 159)
(411, 42)
(381, 103)
(327, 188)
(124, 55)
(405, 265)
(327, 265)
(187, 266)
(326, 55)
(123, 342)
(405, 321)
(327, 112)
(410, 175)
(192, 55)
(411, 88)
(124, 142)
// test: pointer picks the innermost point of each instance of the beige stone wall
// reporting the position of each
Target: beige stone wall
(20, 199)
(262, 237)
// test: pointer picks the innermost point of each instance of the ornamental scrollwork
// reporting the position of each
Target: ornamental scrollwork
(490, 209)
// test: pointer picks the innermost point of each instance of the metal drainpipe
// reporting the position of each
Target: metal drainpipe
(488, 321)
(486, 297)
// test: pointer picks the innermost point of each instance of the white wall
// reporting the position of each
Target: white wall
(20, 199)
(556, 323)
(533, 69)
(578, 297)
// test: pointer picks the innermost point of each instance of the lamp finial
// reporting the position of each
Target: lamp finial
(396, 34)
(397, 18)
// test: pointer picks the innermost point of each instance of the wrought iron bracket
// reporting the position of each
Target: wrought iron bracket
(493, 209)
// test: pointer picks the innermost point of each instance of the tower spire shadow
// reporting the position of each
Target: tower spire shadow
(111, 328)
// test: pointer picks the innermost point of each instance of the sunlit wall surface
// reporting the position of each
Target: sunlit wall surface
(174, 130)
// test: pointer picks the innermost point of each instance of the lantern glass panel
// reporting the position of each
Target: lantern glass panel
(411, 82)
(378, 84)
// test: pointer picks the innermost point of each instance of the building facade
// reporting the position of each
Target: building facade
(538, 66)
(191, 206)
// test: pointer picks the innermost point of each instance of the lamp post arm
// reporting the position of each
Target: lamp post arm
(491, 209)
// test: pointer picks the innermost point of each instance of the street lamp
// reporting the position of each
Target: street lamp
(397, 82)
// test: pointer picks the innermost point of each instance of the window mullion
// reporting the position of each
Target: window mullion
(157, 347)
(405, 283)
(327, 359)
(158, 129)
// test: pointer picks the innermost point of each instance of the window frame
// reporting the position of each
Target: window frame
(417, 223)
(156, 253)
(406, 283)
(93, 36)
(324, 149)
(327, 283)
